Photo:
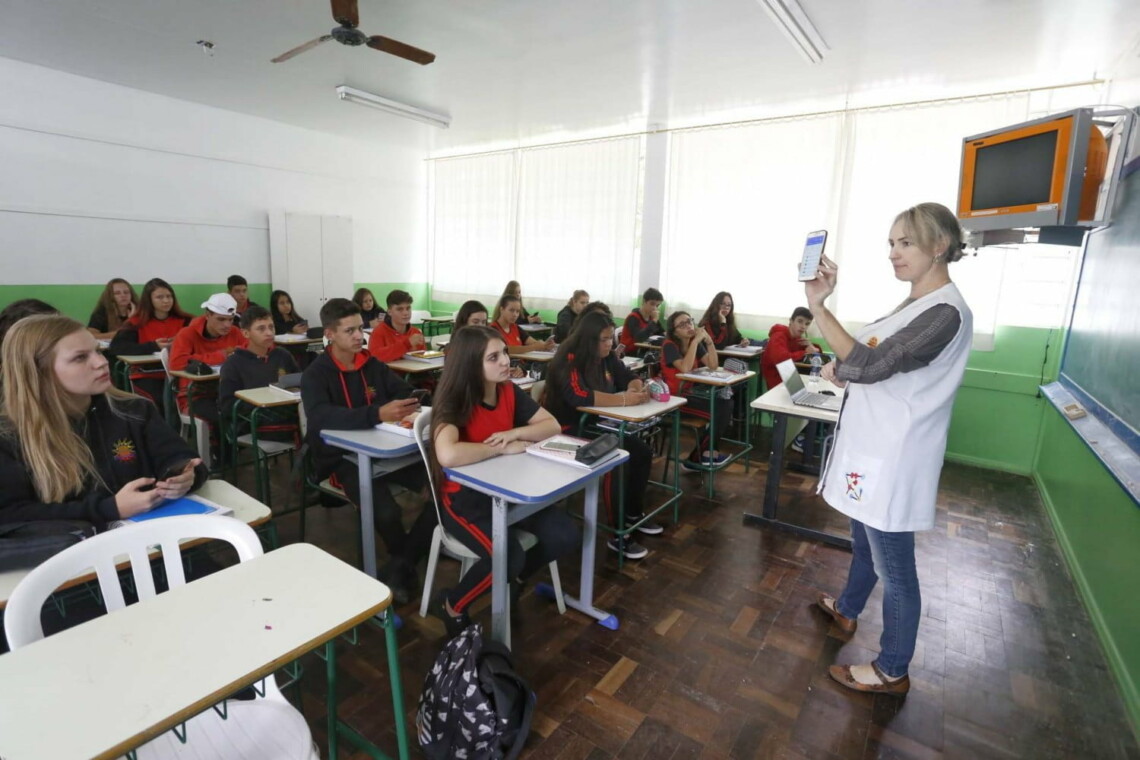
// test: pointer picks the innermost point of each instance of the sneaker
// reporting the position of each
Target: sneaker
(798, 443)
(455, 624)
(648, 528)
(631, 549)
(688, 465)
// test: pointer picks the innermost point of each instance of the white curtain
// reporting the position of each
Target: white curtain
(472, 225)
(739, 204)
(577, 213)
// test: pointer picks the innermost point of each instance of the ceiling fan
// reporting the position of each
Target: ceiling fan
(347, 15)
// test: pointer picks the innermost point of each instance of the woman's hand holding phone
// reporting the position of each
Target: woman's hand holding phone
(176, 482)
(137, 497)
(827, 276)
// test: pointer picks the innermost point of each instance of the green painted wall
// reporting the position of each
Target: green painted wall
(1098, 527)
(78, 301)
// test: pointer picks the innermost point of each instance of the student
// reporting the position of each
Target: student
(72, 447)
(586, 372)
(575, 306)
(370, 311)
(116, 305)
(156, 321)
(209, 338)
(505, 320)
(395, 335)
(642, 323)
(687, 347)
(514, 290)
(478, 413)
(285, 319)
(345, 388)
(471, 314)
(719, 321)
(238, 289)
(255, 366)
(17, 310)
(787, 342)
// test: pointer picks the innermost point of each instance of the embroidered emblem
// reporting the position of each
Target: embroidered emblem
(854, 486)
(874, 341)
(369, 391)
(281, 372)
(124, 451)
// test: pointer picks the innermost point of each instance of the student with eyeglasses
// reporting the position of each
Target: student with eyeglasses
(719, 321)
(687, 347)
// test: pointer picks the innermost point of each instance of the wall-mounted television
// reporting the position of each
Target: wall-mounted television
(1041, 173)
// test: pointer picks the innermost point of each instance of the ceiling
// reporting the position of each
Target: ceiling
(527, 71)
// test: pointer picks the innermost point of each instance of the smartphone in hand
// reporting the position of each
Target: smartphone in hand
(173, 469)
(420, 394)
(813, 252)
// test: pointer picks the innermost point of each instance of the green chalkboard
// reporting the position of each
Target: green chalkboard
(1102, 352)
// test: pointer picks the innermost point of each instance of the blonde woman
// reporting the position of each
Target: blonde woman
(71, 446)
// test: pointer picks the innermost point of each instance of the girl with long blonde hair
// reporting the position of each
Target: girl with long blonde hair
(71, 446)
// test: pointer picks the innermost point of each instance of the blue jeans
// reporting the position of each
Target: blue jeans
(890, 556)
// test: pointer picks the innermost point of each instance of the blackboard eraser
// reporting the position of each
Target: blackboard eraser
(1073, 411)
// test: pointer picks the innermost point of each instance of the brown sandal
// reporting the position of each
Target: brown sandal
(845, 624)
(842, 674)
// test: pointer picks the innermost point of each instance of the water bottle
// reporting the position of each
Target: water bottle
(816, 364)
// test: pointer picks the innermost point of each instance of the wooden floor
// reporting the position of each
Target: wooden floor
(721, 654)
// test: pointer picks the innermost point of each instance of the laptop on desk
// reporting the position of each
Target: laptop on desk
(801, 395)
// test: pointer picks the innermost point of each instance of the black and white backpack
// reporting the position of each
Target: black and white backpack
(474, 706)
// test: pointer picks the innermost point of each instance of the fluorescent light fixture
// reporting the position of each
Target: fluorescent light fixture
(791, 19)
(362, 98)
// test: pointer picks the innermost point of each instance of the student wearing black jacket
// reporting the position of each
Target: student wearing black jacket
(346, 388)
(575, 306)
(286, 320)
(255, 366)
(71, 446)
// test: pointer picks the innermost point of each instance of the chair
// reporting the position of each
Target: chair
(419, 315)
(266, 727)
(201, 431)
(455, 549)
(437, 341)
(263, 451)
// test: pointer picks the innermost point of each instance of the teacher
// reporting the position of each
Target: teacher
(903, 371)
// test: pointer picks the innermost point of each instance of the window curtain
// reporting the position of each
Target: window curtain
(578, 213)
(740, 202)
(472, 225)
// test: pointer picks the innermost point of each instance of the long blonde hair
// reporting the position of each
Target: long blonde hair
(35, 408)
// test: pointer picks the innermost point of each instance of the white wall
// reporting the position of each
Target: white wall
(98, 180)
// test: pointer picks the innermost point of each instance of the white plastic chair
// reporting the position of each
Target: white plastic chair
(454, 548)
(438, 341)
(266, 727)
(419, 315)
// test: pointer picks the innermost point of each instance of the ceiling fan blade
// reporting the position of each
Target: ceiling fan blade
(302, 48)
(346, 13)
(403, 50)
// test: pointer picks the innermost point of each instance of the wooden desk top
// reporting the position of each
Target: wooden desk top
(741, 352)
(296, 339)
(720, 381)
(535, 356)
(122, 679)
(140, 359)
(266, 397)
(413, 367)
(246, 508)
(637, 412)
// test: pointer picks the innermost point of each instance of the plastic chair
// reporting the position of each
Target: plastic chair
(419, 315)
(263, 451)
(266, 727)
(442, 541)
(438, 341)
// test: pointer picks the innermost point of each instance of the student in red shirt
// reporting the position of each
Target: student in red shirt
(478, 413)
(395, 336)
(150, 329)
(210, 339)
(505, 320)
(687, 347)
(642, 323)
(787, 342)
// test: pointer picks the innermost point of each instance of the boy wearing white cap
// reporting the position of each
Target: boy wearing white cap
(209, 338)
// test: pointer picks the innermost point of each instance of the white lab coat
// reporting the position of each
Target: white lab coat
(891, 437)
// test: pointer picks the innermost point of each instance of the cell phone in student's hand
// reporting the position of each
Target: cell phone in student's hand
(173, 469)
(420, 394)
(813, 252)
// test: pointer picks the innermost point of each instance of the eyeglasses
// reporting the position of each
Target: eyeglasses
(684, 323)
(726, 305)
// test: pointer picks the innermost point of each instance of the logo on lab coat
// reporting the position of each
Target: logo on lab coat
(855, 486)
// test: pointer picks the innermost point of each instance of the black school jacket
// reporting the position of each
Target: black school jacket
(345, 398)
(244, 369)
(138, 444)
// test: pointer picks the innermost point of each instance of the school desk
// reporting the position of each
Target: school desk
(707, 386)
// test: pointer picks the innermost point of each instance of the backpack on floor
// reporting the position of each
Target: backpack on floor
(474, 706)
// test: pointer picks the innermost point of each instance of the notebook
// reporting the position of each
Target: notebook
(801, 395)
(187, 505)
(563, 448)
